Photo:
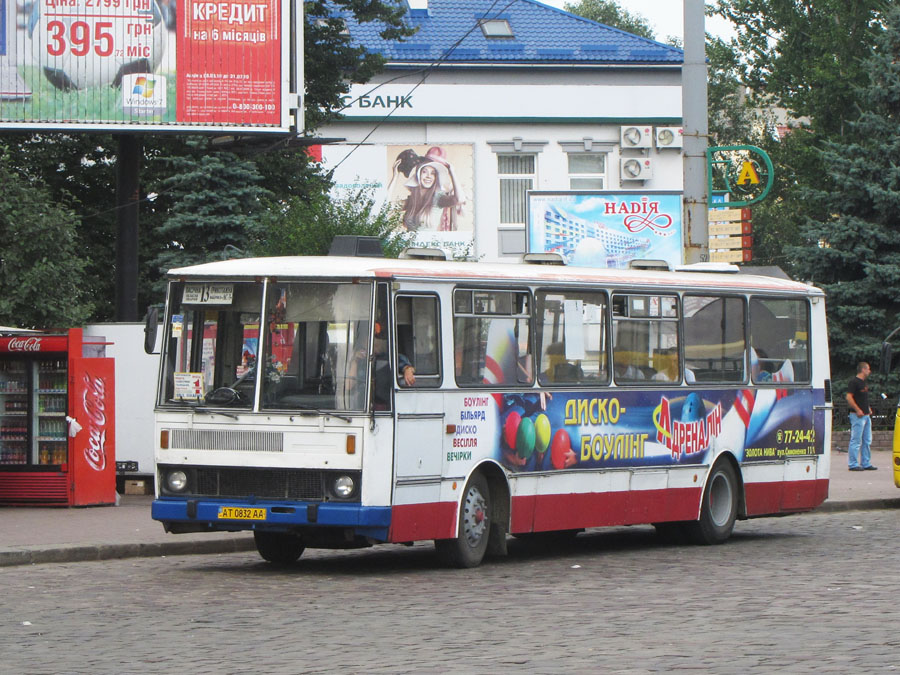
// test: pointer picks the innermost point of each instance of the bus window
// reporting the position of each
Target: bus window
(779, 340)
(645, 338)
(491, 338)
(571, 337)
(213, 335)
(418, 338)
(714, 339)
(311, 334)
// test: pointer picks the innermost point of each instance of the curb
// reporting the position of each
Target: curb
(859, 505)
(33, 555)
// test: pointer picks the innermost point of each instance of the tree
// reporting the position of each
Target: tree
(214, 202)
(41, 273)
(805, 58)
(853, 252)
(307, 227)
(609, 12)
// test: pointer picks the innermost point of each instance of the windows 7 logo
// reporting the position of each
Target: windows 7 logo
(143, 86)
(144, 95)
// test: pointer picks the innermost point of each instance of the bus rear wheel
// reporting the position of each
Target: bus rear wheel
(467, 549)
(278, 547)
(719, 508)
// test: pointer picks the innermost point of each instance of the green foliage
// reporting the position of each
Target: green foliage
(609, 12)
(215, 201)
(805, 56)
(851, 245)
(306, 227)
(332, 62)
(40, 268)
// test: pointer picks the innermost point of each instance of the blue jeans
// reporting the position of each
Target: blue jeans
(858, 454)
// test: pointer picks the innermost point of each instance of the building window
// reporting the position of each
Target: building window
(587, 171)
(496, 28)
(517, 176)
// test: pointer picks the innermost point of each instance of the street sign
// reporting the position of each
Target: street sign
(739, 227)
(730, 242)
(737, 255)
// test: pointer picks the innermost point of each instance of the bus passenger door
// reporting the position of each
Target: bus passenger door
(420, 425)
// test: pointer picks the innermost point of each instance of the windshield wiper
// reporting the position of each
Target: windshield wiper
(196, 407)
(311, 409)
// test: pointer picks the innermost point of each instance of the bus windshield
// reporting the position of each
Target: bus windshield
(313, 343)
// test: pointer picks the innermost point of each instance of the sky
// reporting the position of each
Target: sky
(666, 17)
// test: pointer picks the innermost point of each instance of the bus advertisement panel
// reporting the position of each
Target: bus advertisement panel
(593, 429)
(145, 64)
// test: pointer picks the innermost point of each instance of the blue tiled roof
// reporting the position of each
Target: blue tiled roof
(448, 31)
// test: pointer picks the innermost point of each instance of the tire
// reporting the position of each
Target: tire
(470, 544)
(719, 508)
(278, 547)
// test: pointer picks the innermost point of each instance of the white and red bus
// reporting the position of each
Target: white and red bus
(545, 399)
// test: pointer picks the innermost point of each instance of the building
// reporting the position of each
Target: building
(487, 102)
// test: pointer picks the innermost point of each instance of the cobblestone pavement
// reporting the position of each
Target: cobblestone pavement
(811, 593)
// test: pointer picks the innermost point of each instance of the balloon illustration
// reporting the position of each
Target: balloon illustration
(525, 438)
(511, 428)
(542, 433)
(561, 454)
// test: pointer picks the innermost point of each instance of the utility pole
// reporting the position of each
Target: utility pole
(694, 109)
(128, 171)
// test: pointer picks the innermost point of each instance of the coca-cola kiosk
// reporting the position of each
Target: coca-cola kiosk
(57, 432)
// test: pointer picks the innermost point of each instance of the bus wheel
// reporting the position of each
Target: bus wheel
(719, 508)
(470, 544)
(278, 547)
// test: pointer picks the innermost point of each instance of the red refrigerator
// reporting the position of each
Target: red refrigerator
(57, 421)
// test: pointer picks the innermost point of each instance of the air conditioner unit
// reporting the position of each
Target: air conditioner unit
(636, 137)
(669, 137)
(635, 168)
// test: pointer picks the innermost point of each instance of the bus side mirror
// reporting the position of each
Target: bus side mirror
(886, 355)
(151, 323)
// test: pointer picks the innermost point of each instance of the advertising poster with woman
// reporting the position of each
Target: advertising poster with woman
(433, 186)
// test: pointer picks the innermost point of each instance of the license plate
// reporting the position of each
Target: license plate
(241, 513)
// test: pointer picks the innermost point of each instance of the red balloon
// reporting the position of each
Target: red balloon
(559, 448)
(511, 428)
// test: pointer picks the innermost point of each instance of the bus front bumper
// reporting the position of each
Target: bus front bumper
(234, 515)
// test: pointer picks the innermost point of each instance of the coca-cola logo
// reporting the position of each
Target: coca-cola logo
(94, 402)
(31, 344)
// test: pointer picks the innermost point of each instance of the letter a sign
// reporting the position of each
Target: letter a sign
(747, 174)
(744, 170)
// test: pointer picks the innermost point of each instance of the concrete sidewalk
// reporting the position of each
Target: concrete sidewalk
(39, 535)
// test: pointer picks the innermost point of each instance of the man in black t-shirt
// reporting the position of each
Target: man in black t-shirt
(858, 454)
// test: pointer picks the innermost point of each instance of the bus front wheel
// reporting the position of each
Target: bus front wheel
(467, 549)
(719, 508)
(278, 547)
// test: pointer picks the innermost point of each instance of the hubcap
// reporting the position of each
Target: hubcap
(475, 520)
(720, 500)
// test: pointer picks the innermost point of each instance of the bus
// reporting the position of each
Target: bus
(339, 402)
(887, 357)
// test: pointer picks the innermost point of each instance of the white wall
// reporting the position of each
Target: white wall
(549, 111)
(136, 376)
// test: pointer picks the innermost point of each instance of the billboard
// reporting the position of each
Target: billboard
(145, 64)
(433, 186)
(606, 229)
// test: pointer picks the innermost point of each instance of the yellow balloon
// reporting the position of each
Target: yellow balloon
(542, 431)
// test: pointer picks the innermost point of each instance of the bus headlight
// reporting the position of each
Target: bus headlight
(177, 480)
(343, 487)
